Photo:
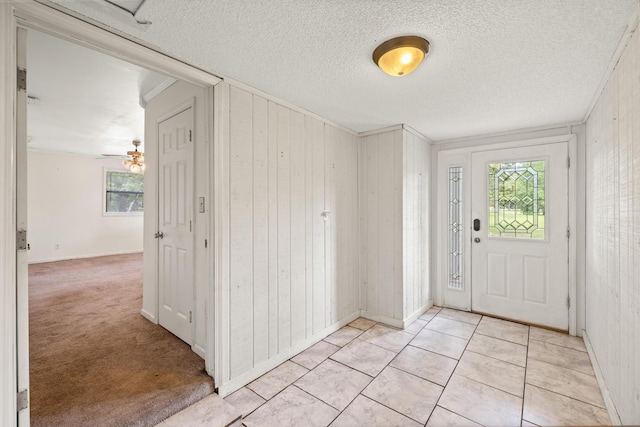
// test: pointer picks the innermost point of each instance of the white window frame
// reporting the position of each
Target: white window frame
(104, 195)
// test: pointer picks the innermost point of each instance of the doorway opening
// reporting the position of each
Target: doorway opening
(84, 110)
(503, 243)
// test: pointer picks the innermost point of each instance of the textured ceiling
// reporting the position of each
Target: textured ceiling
(88, 102)
(494, 65)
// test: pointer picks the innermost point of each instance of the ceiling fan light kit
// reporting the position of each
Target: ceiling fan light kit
(136, 163)
(401, 55)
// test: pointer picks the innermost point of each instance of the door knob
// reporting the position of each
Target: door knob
(477, 240)
(159, 235)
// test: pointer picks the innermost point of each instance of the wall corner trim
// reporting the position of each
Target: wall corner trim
(615, 58)
(608, 401)
(411, 130)
(419, 312)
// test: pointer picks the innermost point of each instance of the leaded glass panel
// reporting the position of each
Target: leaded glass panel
(455, 228)
(517, 199)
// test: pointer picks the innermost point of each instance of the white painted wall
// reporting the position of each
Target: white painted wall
(288, 277)
(394, 168)
(166, 102)
(613, 233)
(65, 197)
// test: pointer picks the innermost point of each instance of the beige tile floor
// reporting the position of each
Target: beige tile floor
(449, 368)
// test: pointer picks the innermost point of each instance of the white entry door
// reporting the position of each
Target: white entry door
(519, 244)
(175, 235)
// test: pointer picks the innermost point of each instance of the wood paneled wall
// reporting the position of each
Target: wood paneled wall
(613, 233)
(291, 232)
(417, 207)
(394, 217)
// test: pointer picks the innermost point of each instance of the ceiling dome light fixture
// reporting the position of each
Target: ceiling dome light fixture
(401, 55)
(136, 163)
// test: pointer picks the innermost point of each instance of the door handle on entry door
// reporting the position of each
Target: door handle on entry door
(477, 240)
(476, 224)
(159, 235)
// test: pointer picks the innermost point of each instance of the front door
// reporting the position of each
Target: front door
(519, 244)
(175, 235)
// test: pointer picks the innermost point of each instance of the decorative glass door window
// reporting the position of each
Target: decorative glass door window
(517, 199)
(455, 229)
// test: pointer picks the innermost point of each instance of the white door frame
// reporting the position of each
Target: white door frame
(462, 157)
(48, 19)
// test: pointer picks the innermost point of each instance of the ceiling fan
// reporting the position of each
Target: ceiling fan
(134, 160)
(136, 163)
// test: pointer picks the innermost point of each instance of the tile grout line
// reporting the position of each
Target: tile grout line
(526, 369)
(404, 347)
(450, 376)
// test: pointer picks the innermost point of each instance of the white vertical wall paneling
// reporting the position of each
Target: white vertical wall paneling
(298, 226)
(613, 233)
(625, 238)
(394, 187)
(386, 232)
(260, 229)
(407, 257)
(345, 224)
(286, 287)
(319, 300)
(349, 234)
(355, 221)
(309, 218)
(363, 217)
(223, 371)
(417, 161)
(634, 291)
(284, 228)
(330, 231)
(371, 267)
(241, 230)
(398, 224)
(273, 155)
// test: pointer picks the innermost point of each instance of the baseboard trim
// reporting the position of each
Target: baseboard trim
(390, 321)
(608, 401)
(197, 349)
(264, 367)
(150, 317)
(72, 257)
(419, 312)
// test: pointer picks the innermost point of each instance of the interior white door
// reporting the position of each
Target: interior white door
(520, 248)
(175, 216)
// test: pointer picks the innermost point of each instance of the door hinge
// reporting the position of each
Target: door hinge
(568, 301)
(21, 240)
(206, 243)
(22, 79)
(190, 316)
(190, 229)
(568, 162)
(23, 400)
(568, 232)
(190, 135)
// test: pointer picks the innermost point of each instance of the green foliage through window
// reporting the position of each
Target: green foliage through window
(124, 192)
(517, 199)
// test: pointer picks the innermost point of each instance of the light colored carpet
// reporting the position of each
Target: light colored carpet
(95, 361)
